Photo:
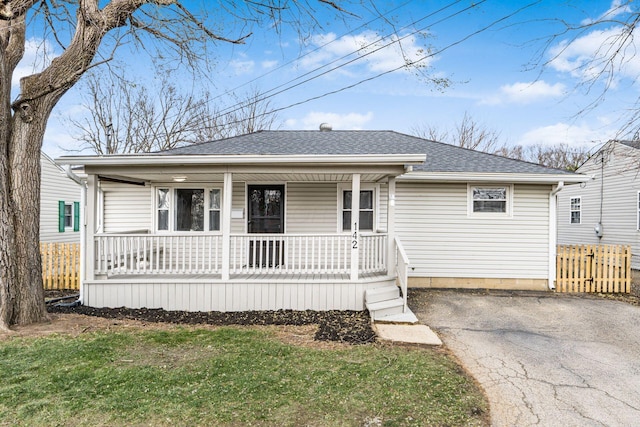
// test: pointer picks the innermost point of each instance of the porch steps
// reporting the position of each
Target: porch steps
(385, 305)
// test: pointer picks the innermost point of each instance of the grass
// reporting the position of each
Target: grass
(227, 376)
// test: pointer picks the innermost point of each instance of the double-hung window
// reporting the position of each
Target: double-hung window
(575, 209)
(490, 199)
(366, 217)
(188, 209)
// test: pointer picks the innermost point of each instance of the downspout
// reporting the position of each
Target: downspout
(553, 232)
(83, 228)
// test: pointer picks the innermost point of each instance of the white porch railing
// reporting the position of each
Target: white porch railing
(190, 253)
(402, 271)
(155, 254)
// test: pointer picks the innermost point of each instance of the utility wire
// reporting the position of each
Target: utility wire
(494, 23)
(365, 25)
(289, 85)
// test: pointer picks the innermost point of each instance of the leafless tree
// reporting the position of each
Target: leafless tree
(127, 117)
(472, 135)
(468, 133)
(90, 33)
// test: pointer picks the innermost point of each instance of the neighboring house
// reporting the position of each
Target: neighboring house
(606, 209)
(266, 221)
(59, 204)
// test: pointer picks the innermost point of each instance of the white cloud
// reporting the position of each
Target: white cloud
(38, 55)
(617, 8)
(330, 48)
(596, 54)
(525, 93)
(565, 133)
(349, 121)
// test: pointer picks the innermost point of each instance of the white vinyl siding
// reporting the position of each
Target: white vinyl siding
(310, 207)
(55, 187)
(442, 240)
(619, 206)
(127, 207)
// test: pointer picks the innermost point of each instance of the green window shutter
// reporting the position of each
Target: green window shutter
(76, 216)
(61, 216)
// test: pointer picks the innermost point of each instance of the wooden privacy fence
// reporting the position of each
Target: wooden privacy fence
(60, 265)
(593, 268)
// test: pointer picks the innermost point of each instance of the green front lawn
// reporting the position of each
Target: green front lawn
(227, 376)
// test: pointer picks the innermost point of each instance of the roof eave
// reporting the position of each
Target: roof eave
(528, 178)
(258, 159)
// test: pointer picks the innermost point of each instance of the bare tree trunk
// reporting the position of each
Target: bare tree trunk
(24, 161)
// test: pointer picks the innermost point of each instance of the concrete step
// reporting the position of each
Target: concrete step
(382, 294)
(406, 318)
(385, 308)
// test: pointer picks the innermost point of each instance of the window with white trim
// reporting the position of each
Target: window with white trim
(188, 209)
(575, 210)
(490, 199)
(366, 219)
(68, 216)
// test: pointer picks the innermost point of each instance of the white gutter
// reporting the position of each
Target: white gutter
(532, 178)
(325, 159)
(83, 226)
(553, 232)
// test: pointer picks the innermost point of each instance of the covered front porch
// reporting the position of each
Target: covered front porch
(234, 234)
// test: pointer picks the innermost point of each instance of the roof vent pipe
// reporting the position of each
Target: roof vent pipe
(325, 127)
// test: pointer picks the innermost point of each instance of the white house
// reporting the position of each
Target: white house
(266, 221)
(59, 204)
(605, 209)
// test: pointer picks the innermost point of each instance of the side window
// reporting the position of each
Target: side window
(68, 216)
(366, 210)
(489, 199)
(575, 208)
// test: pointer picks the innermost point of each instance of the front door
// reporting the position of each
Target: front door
(265, 216)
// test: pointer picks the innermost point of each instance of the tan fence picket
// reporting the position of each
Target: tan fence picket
(60, 265)
(593, 268)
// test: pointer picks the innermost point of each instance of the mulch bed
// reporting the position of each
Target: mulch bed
(353, 327)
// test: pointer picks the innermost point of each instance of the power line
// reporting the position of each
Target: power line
(289, 84)
(459, 41)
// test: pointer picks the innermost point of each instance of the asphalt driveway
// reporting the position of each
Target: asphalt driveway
(543, 359)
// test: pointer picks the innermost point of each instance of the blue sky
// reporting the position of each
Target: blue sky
(494, 75)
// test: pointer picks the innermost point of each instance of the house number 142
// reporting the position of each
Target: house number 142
(354, 240)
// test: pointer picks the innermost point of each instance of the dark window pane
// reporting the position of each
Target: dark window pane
(575, 217)
(489, 206)
(366, 220)
(214, 220)
(346, 200)
(346, 220)
(163, 220)
(189, 209)
(366, 200)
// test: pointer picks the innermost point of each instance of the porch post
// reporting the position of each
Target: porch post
(226, 224)
(391, 226)
(355, 226)
(91, 213)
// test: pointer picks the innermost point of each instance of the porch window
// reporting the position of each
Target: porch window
(214, 210)
(366, 210)
(188, 209)
(576, 210)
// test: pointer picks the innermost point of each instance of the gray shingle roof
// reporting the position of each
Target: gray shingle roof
(632, 144)
(440, 157)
